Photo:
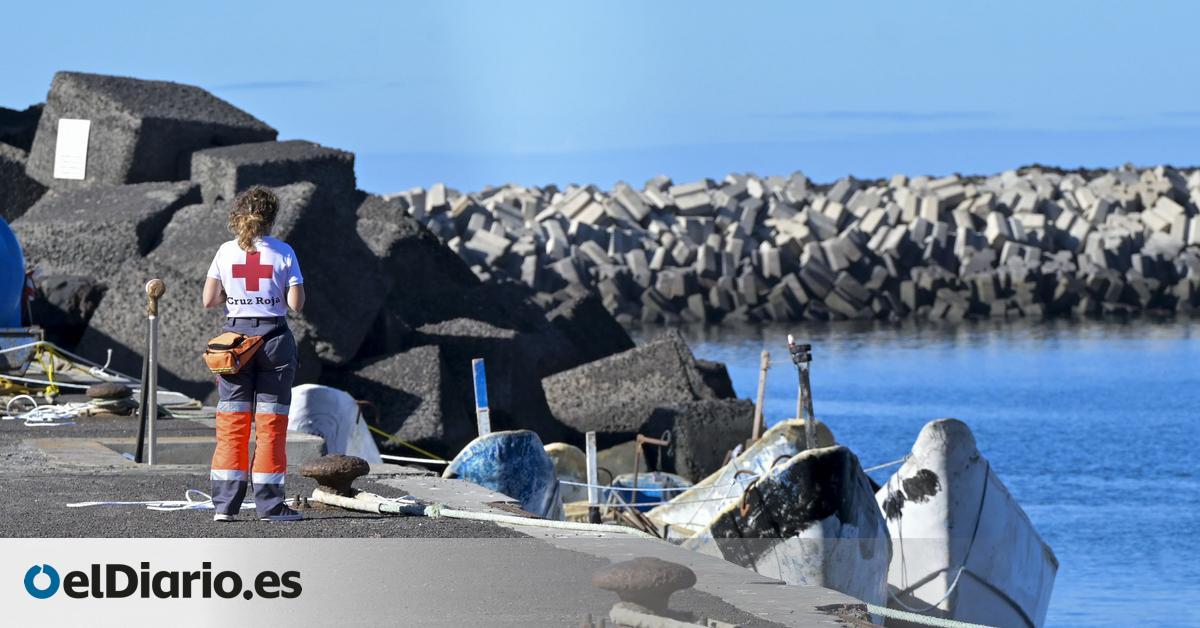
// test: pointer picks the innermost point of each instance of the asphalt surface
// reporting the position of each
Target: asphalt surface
(35, 488)
(458, 572)
(34, 505)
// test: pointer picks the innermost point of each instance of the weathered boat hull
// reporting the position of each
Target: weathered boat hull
(649, 490)
(691, 510)
(809, 521)
(962, 547)
(514, 463)
(570, 465)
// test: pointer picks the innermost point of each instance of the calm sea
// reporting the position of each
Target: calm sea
(1092, 426)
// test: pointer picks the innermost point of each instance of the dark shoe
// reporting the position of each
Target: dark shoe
(283, 513)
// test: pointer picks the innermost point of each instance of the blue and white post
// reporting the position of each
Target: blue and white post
(483, 419)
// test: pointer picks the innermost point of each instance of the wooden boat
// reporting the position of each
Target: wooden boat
(962, 547)
(811, 520)
(645, 490)
(690, 511)
(514, 463)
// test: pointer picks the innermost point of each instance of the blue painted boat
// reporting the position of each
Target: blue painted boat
(651, 489)
(514, 463)
(12, 277)
(12, 291)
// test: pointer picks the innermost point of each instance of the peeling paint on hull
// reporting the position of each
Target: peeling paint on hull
(810, 521)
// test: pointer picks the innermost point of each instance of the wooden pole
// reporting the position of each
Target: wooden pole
(764, 364)
(801, 356)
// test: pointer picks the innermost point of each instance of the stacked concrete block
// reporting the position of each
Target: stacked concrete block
(17, 191)
(94, 231)
(190, 240)
(119, 325)
(416, 401)
(711, 251)
(514, 390)
(702, 434)
(17, 128)
(140, 130)
(616, 396)
(223, 172)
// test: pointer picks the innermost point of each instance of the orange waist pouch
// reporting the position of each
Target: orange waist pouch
(229, 352)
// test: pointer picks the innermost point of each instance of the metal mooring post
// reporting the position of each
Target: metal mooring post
(154, 291)
(801, 357)
(483, 418)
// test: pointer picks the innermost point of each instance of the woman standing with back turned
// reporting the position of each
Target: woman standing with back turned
(257, 277)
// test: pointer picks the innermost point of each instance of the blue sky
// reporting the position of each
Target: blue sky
(478, 93)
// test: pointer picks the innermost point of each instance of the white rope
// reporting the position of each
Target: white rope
(933, 605)
(924, 620)
(99, 370)
(408, 459)
(193, 499)
(439, 510)
(887, 464)
(30, 380)
(43, 416)
(641, 489)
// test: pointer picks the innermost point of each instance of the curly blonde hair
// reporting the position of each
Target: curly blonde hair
(252, 215)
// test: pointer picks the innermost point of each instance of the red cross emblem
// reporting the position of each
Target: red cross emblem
(252, 271)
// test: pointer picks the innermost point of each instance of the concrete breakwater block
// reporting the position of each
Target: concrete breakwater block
(63, 305)
(119, 324)
(93, 231)
(140, 130)
(344, 283)
(191, 239)
(17, 128)
(616, 395)
(809, 521)
(702, 434)
(514, 391)
(17, 191)
(415, 399)
(425, 394)
(590, 328)
(225, 171)
(704, 252)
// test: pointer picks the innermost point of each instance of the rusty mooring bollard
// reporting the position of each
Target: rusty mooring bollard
(647, 582)
(335, 473)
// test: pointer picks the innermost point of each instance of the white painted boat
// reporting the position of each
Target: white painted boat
(690, 511)
(570, 465)
(811, 520)
(962, 547)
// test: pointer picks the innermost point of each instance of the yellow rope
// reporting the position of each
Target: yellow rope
(8, 386)
(45, 356)
(403, 442)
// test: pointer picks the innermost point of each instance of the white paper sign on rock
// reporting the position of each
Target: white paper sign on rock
(70, 149)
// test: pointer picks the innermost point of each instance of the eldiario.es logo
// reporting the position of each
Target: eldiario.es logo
(122, 581)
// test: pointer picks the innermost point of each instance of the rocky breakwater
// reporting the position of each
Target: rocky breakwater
(1034, 242)
(393, 315)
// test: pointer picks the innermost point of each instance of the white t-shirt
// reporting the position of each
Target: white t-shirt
(256, 282)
